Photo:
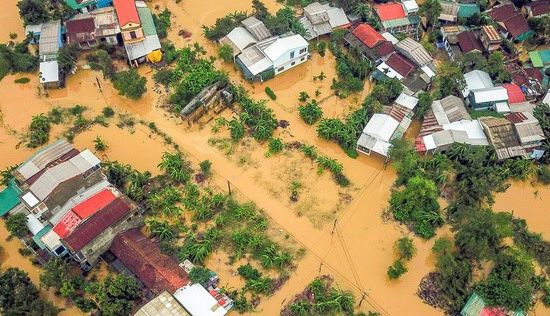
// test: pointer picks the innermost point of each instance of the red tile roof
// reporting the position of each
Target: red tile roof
(492, 311)
(516, 25)
(95, 225)
(126, 12)
(468, 42)
(390, 11)
(80, 30)
(143, 258)
(385, 48)
(502, 12)
(92, 205)
(368, 35)
(400, 64)
(535, 73)
(67, 224)
(540, 7)
(515, 95)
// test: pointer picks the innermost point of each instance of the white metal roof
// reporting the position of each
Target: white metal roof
(141, 49)
(337, 17)
(410, 6)
(490, 94)
(502, 107)
(389, 37)
(381, 126)
(49, 71)
(283, 45)
(35, 29)
(407, 101)
(428, 71)
(43, 157)
(198, 302)
(388, 71)
(379, 146)
(34, 224)
(241, 38)
(477, 79)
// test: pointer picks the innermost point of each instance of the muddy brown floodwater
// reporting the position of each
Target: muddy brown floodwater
(357, 254)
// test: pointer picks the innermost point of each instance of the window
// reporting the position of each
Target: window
(133, 35)
(281, 69)
(303, 58)
(292, 54)
(293, 63)
(303, 50)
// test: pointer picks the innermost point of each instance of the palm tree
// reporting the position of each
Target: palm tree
(362, 10)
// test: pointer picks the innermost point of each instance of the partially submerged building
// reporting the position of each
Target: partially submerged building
(369, 43)
(250, 32)
(321, 19)
(272, 56)
(512, 23)
(162, 305)
(446, 123)
(382, 128)
(476, 306)
(48, 48)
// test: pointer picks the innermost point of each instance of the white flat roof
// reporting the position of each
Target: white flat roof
(30, 199)
(49, 71)
(198, 302)
(389, 37)
(34, 224)
(490, 94)
(388, 71)
(381, 127)
(407, 101)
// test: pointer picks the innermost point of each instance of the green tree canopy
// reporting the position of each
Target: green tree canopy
(130, 84)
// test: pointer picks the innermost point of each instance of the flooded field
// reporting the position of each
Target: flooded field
(357, 252)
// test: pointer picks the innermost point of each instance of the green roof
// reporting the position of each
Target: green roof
(540, 58)
(75, 6)
(147, 23)
(466, 10)
(42, 232)
(476, 305)
(9, 198)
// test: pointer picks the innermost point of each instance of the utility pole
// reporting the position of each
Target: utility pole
(334, 227)
(320, 266)
(362, 298)
(229, 186)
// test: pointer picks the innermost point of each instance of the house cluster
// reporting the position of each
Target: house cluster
(119, 22)
(72, 211)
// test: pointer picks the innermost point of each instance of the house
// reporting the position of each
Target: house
(48, 47)
(157, 271)
(371, 44)
(146, 43)
(94, 236)
(106, 25)
(512, 24)
(490, 38)
(395, 19)
(273, 56)
(321, 19)
(468, 42)
(386, 126)
(410, 6)
(41, 159)
(9, 198)
(540, 58)
(128, 19)
(415, 52)
(475, 306)
(449, 11)
(402, 68)
(80, 31)
(198, 301)
(163, 304)
(447, 123)
(449, 36)
(481, 94)
(87, 5)
(515, 95)
(466, 10)
(538, 8)
(249, 33)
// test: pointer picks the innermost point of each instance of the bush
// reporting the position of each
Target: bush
(17, 225)
(130, 84)
(108, 111)
(396, 270)
(164, 77)
(162, 23)
(205, 166)
(226, 53)
(405, 248)
(248, 272)
(236, 129)
(321, 48)
(275, 146)
(100, 144)
(102, 61)
(311, 112)
(22, 80)
(543, 174)
(270, 93)
(39, 131)
(199, 275)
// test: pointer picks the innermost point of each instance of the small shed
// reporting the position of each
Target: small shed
(9, 198)
(198, 301)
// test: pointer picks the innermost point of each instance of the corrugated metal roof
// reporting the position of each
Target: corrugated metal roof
(141, 49)
(449, 11)
(490, 94)
(337, 17)
(466, 10)
(33, 224)
(67, 224)
(146, 19)
(381, 126)
(43, 157)
(284, 44)
(407, 101)
(162, 305)
(477, 79)
(126, 11)
(198, 301)
(414, 51)
(256, 27)
(241, 38)
(390, 11)
(50, 38)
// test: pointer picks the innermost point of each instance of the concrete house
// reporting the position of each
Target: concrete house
(449, 12)
(386, 126)
(449, 34)
(48, 47)
(81, 32)
(272, 56)
(321, 19)
(481, 94)
(250, 32)
(395, 19)
(490, 38)
(371, 44)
